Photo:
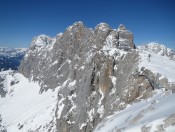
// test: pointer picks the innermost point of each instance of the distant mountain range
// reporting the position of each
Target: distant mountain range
(10, 58)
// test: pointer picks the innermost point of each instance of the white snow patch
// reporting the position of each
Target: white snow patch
(25, 106)
(82, 67)
(65, 82)
(71, 84)
(90, 114)
(68, 61)
(60, 107)
(113, 80)
(82, 125)
(100, 107)
(72, 102)
(101, 110)
(55, 62)
(102, 96)
(109, 43)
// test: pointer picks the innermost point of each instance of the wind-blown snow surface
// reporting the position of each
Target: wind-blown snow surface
(149, 112)
(24, 108)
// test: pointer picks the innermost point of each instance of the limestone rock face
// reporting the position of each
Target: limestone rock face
(94, 73)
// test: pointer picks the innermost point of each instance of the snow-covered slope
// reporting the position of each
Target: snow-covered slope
(154, 114)
(24, 108)
(158, 64)
(10, 58)
(158, 49)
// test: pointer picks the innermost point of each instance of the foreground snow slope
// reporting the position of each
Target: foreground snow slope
(151, 112)
(24, 108)
(158, 63)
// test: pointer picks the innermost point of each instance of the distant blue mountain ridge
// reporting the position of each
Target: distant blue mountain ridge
(10, 58)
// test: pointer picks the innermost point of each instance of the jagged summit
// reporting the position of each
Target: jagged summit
(102, 36)
(76, 25)
(121, 27)
(77, 40)
(41, 40)
(102, 27)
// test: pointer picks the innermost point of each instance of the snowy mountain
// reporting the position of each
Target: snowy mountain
(10, 58)
(87, 80)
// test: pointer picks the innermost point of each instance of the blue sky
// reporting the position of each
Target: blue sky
(149, 20)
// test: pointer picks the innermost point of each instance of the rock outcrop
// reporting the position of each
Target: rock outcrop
(125, 38)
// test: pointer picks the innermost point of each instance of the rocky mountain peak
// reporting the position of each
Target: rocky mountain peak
(102, 27)
(121, 27)
(102, 35)
(79, 23)
(59, 35)
(75, 26)
(40, 40)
